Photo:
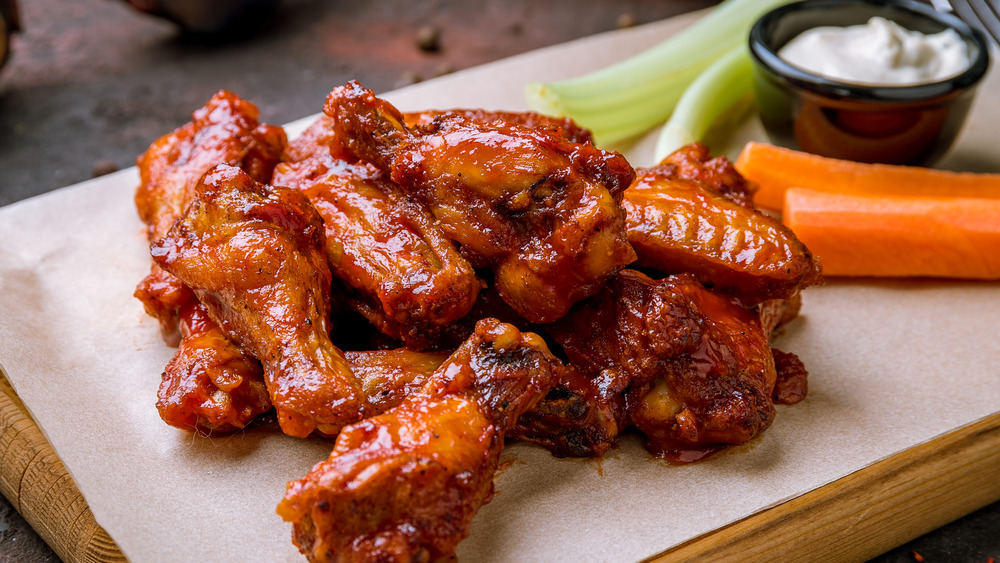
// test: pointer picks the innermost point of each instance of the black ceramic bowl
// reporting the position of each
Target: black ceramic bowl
(890, 124)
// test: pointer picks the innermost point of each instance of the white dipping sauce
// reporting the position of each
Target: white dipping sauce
(881, 53)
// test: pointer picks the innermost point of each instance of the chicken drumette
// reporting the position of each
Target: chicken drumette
(538, 210)
(254, 255)
(404, 485)
(209, 385)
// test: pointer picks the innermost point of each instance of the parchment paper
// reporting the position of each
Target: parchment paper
(892, 364)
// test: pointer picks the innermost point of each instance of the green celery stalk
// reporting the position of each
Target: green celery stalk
(639, 93)
(727, 81)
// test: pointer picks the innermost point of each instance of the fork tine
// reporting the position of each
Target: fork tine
(980, 14)
(994, 8)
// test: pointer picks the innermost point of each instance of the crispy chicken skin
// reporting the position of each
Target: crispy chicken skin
(254, 256)
(679, 225)
(564, 126)
(404, 485)
(696, 365)
(539, 211)
(210, 386)
(403, 274)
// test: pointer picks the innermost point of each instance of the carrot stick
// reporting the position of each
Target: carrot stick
(776, 169)
(885, 235)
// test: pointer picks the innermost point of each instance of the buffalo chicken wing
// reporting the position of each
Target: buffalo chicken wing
(404, 485)
(254, 255)
(210, 385)
(696, 366)
(681, 225)
(402, 274)
(539, 211)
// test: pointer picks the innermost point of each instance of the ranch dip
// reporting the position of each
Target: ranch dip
(881, 53)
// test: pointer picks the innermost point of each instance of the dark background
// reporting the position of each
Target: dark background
(91, 83)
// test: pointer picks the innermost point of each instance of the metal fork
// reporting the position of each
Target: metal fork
(984, 14)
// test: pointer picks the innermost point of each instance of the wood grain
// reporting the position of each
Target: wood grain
(869, 511)
(852, 519)
(36, 483)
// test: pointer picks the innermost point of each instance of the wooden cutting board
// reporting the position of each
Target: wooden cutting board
(36, 483)
(851, 519)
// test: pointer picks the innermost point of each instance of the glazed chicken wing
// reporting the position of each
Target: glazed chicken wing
(581, 416)
(404, 485)
(563, 126)
(696, 365)
(678, 225)
(541, 212)
(224, 131)
(254, 255)
(695, 162)
(403, 275)
(209, 386)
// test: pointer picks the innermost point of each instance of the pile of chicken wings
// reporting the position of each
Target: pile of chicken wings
(420, 287)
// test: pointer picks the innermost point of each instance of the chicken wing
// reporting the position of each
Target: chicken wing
(696, 366)
(404, 276)
(539, 211)
(210, 386)
(404, 485)
(564, 126)
(678, 225)
(224, 131)
(695, 162)
(581, 416)
(254, 255)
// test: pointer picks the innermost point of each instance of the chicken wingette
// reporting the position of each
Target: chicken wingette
(542, 213)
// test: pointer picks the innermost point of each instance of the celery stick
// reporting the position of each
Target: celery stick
(719, 88)
(635, 95)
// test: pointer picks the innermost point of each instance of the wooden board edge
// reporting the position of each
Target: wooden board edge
(870, 511)
(35, 481)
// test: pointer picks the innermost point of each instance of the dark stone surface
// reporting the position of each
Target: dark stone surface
(91, 83)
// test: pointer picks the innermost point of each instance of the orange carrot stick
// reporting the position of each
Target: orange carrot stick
(884, 235)
(776, 169)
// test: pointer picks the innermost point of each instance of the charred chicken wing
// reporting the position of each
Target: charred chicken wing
(541, 212)
(696, 365)
(581, 416)
(254, 255)
(404, 485)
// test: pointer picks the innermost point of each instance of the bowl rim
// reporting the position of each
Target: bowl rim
(768, 58)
